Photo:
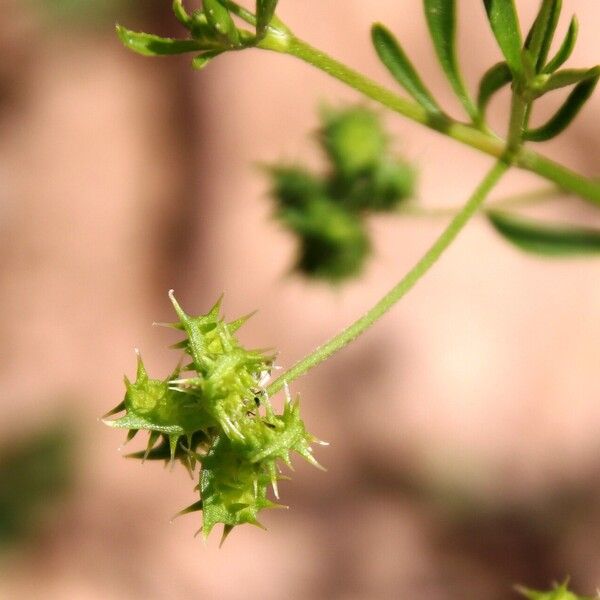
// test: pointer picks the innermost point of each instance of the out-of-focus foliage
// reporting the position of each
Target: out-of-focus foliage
(91, 13)
(35, 474)
(326, 212)
(546, 239)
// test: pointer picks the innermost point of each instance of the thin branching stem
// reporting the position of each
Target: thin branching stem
(401, 288)
(469, 135)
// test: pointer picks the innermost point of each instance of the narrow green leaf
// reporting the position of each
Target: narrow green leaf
(181, 14)
(203, 59)
(566, 113)
(441, 19)
(200, 29)
(542, 32)
(568, 77)
(566, 48)
(220, 20)
(399, 65)
(541, 238)
(153, 45)
(503, 19)
(265, 9)
(494, 79)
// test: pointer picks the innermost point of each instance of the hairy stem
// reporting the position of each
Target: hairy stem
(466, 134)
(400, 289)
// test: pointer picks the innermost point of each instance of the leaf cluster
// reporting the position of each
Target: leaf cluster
(526, 65)
(328, 212)
(212, 31)
(218, 416)
(531, 72)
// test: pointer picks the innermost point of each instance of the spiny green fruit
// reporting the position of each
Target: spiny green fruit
(151, 405)
(218, 416)
(224, 371)
(233, 489)
(354, 139)
(236, 474)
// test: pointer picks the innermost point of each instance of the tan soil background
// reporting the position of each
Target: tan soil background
(465, 454)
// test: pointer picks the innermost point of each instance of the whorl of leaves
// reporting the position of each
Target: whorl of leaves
(215, 412)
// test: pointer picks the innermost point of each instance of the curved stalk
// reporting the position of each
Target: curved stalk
(401, 288)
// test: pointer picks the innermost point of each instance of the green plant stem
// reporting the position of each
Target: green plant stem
(461, 132)
(466, 134)
(516, 128)
(400, 289)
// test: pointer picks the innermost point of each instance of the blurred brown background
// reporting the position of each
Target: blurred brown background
(465, 454)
